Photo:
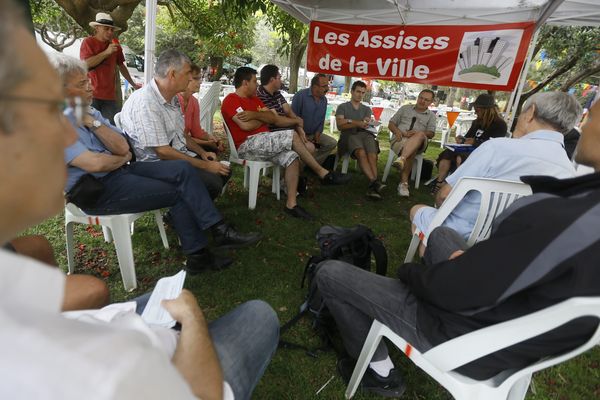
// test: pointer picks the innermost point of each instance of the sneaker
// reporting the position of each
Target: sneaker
(373, 194)
(378, 186)
(403, 190)
(299, 212)
(399, 163)
(197, 263)
(335, 178)
(391, 386)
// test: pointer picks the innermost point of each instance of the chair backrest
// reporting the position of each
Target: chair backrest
(472, 346)
(496, 196)
(117, 119)
(233, 154)
(208, 105)
(386, 115)
(73, 209)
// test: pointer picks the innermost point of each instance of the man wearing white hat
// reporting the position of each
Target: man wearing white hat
(102, 53)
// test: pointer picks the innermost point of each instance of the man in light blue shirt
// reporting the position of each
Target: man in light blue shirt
(536, 149)
(310, 104)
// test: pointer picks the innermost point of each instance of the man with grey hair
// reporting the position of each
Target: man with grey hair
(102, 152)
(115, 354)
(536, 148)
(153, 120)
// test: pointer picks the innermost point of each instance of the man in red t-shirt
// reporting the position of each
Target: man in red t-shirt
(102, 55)
(248, 120)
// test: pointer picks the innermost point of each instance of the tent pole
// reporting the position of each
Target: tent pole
(150, 40)
(516, 94)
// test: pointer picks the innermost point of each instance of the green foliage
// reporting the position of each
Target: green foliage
(49, 15)
(134, 36)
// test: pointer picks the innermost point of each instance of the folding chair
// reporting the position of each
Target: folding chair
(252, 170)
(118, 227)
(441, 361)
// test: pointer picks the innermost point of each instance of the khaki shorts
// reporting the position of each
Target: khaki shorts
(398, 145)
(270, 146)
(360, 140)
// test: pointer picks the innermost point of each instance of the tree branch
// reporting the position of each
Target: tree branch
(591, 70)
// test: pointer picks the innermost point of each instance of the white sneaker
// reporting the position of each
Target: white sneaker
(403, 190)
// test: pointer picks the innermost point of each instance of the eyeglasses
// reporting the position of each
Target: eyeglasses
(196, 78)
(76, 103)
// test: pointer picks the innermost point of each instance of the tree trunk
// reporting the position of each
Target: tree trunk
(296, 54)
(216, 67)
(347, 84)
(591, 70)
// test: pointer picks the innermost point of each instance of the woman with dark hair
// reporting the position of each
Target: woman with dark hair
(489, 124)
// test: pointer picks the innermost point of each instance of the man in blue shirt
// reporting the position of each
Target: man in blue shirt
(310, 104)
(103, 152)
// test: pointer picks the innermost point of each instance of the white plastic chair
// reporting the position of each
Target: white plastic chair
(441, 361)
(496, 196)
(415, 173)
(252, 170)
(119, 227)
(208, 105)
(117, 119)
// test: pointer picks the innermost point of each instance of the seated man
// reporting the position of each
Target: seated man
(247, 119)
(535, 149)
(310, 104)
(533, 259)
(82, 292)
(352, 120)
(412, 126)
(102, 150)
(153, 120)
(191, 112)
(124, 358)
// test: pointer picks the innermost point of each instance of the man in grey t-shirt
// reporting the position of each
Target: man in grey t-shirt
(353, 120)
(412, 126)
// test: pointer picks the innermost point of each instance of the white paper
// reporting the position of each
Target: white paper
(166, 288)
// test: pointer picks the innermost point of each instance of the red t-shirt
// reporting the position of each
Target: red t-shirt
(232, 104)
(191, 114)
(102, 75)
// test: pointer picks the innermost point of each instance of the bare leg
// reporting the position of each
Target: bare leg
(372, 157)
(300, 147)
(413, 227)
(365, 166)
(84, 292)
(36, 247)
(291, 181)
(413, 144)
(443, 169)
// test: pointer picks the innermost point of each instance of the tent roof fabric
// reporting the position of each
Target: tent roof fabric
(444, 12)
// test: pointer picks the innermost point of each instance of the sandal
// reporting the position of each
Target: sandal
(436, 187)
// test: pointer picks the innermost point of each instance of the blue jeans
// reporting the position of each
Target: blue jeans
(108, 108)
(245, 340)
(144, 186)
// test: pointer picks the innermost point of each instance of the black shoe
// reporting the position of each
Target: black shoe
(373, 194)
(378, 186)
(204, 261)
(226, 237)
(299, 212)
(335, 178)
(390, 386)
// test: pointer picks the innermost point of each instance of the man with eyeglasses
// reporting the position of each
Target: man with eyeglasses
(102, 54)
(310, 104)
(412, 126)
(103, 152)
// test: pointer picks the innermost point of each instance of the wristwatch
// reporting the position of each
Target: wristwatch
(348, 121)
(96, 124)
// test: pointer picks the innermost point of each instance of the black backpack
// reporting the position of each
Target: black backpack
(356, 246)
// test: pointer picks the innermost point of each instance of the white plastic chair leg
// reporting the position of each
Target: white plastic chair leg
(161, 228)
(107, 234)
(519, 389)
(70, 247)
(419, 162)
(345, 162)
(388, 166)
(371, 343)
(412, 248)
(122, 239)
(275, 186)
(335, 162)
(246, 176)
(254, 175)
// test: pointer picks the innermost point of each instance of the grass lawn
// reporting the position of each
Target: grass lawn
(272, 271)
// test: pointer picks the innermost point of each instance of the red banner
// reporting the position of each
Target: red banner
(471, 56)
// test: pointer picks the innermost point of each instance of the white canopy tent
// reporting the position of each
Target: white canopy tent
(420, 12)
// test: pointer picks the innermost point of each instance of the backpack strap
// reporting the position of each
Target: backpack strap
(381, 259)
